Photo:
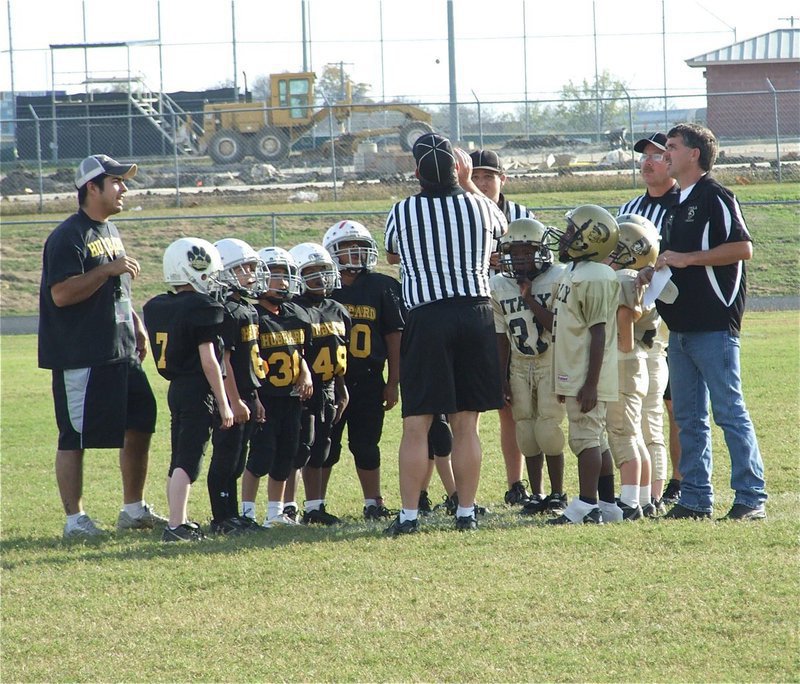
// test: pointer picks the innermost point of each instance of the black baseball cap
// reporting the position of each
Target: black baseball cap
(435, 158)
(658, 139)
(99, 164)
(486, 159)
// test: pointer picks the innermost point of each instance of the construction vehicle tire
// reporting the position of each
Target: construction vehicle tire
(411, 131)
(227, 147)
(271, 144)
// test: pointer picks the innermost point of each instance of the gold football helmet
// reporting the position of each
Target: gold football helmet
(637, 246)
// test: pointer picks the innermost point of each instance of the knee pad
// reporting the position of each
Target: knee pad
(440, 438)
(366, 456)
(623, 448)
(192, 469)
(549, 436)
(526, 437)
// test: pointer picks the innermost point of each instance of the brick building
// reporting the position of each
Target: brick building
(741, 104)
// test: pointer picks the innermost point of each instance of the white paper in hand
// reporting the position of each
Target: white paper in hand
(660, 279)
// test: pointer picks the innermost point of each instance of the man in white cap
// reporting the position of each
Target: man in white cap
(94, 343)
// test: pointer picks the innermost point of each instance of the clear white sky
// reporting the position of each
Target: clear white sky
(197, 52)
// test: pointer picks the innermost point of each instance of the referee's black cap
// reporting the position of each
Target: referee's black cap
(435, 159)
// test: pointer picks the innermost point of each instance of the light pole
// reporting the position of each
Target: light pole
(455, 125)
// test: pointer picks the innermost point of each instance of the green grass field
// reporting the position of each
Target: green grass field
(515, 601)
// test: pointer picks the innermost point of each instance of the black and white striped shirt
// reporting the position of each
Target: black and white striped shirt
(514, 211)
(652, 208)
(444, 243)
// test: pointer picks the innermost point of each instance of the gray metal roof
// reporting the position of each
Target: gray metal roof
(779, 45)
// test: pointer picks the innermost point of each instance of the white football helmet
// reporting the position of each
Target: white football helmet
(591, 235)
(638, 242)
(196, 262)
(325, 278)
(363, 257)
(282, 267)
(531, 233)
(236, 256)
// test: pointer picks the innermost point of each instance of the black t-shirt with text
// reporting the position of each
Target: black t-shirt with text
(709, 297)
(373, 302)
(177, 324)
(98, 330)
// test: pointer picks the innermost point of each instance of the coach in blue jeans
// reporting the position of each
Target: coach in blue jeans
(705, 243)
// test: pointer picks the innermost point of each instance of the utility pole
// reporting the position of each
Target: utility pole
(455, 125)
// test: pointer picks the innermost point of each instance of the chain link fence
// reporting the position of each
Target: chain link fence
(305, 152)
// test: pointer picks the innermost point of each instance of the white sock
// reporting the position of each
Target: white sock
(370, 502)
(577, 510)
(408, 514)
(249, 509)
(313, 504)
(135, 509)
(72, 520)
(645, 491)
(274, 509)
(611, 512)
(629, 494)
(289, 503)
(465, 512)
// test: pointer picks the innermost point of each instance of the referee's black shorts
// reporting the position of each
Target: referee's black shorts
(448, 358)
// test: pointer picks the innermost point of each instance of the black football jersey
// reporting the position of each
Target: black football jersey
(177, 324)
(330, 329)
(282, 339)
(240, 337)
(373, 302)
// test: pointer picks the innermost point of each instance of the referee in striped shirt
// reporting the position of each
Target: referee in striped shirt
(444, 236)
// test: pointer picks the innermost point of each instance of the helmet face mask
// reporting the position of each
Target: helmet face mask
(323, 278)
(283, 282)
(591, 235)
(637, 246)
(195, 262)
(243, 271)
(351, 246)
(523, 252)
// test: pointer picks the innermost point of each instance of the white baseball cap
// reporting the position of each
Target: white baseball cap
(99, 164)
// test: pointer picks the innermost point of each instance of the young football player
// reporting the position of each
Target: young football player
(373, 302)
(284, 331)
(244, 275)
(637, 330)
(184, 327)
(523, 322)
(636, 247)
(585, 352)
(327, 360)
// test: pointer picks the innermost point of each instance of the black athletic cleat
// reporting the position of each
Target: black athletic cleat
(678, 512)
(655, 509)
(425, 506)
(517, 495)
(742, 512)
(449, 504)
(227, 527)
(320, 517)
(630, 512)
(466, 523)
(187, 532)
(672, 493)
(248, 524)
(290, 512)
(535, 505)
(397, 528)
(593, 517)
(555, 503)
(377, 512)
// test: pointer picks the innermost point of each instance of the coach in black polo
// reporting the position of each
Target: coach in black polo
(448, 357)
(93, 341)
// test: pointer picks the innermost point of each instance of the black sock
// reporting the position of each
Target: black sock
(605, 488)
